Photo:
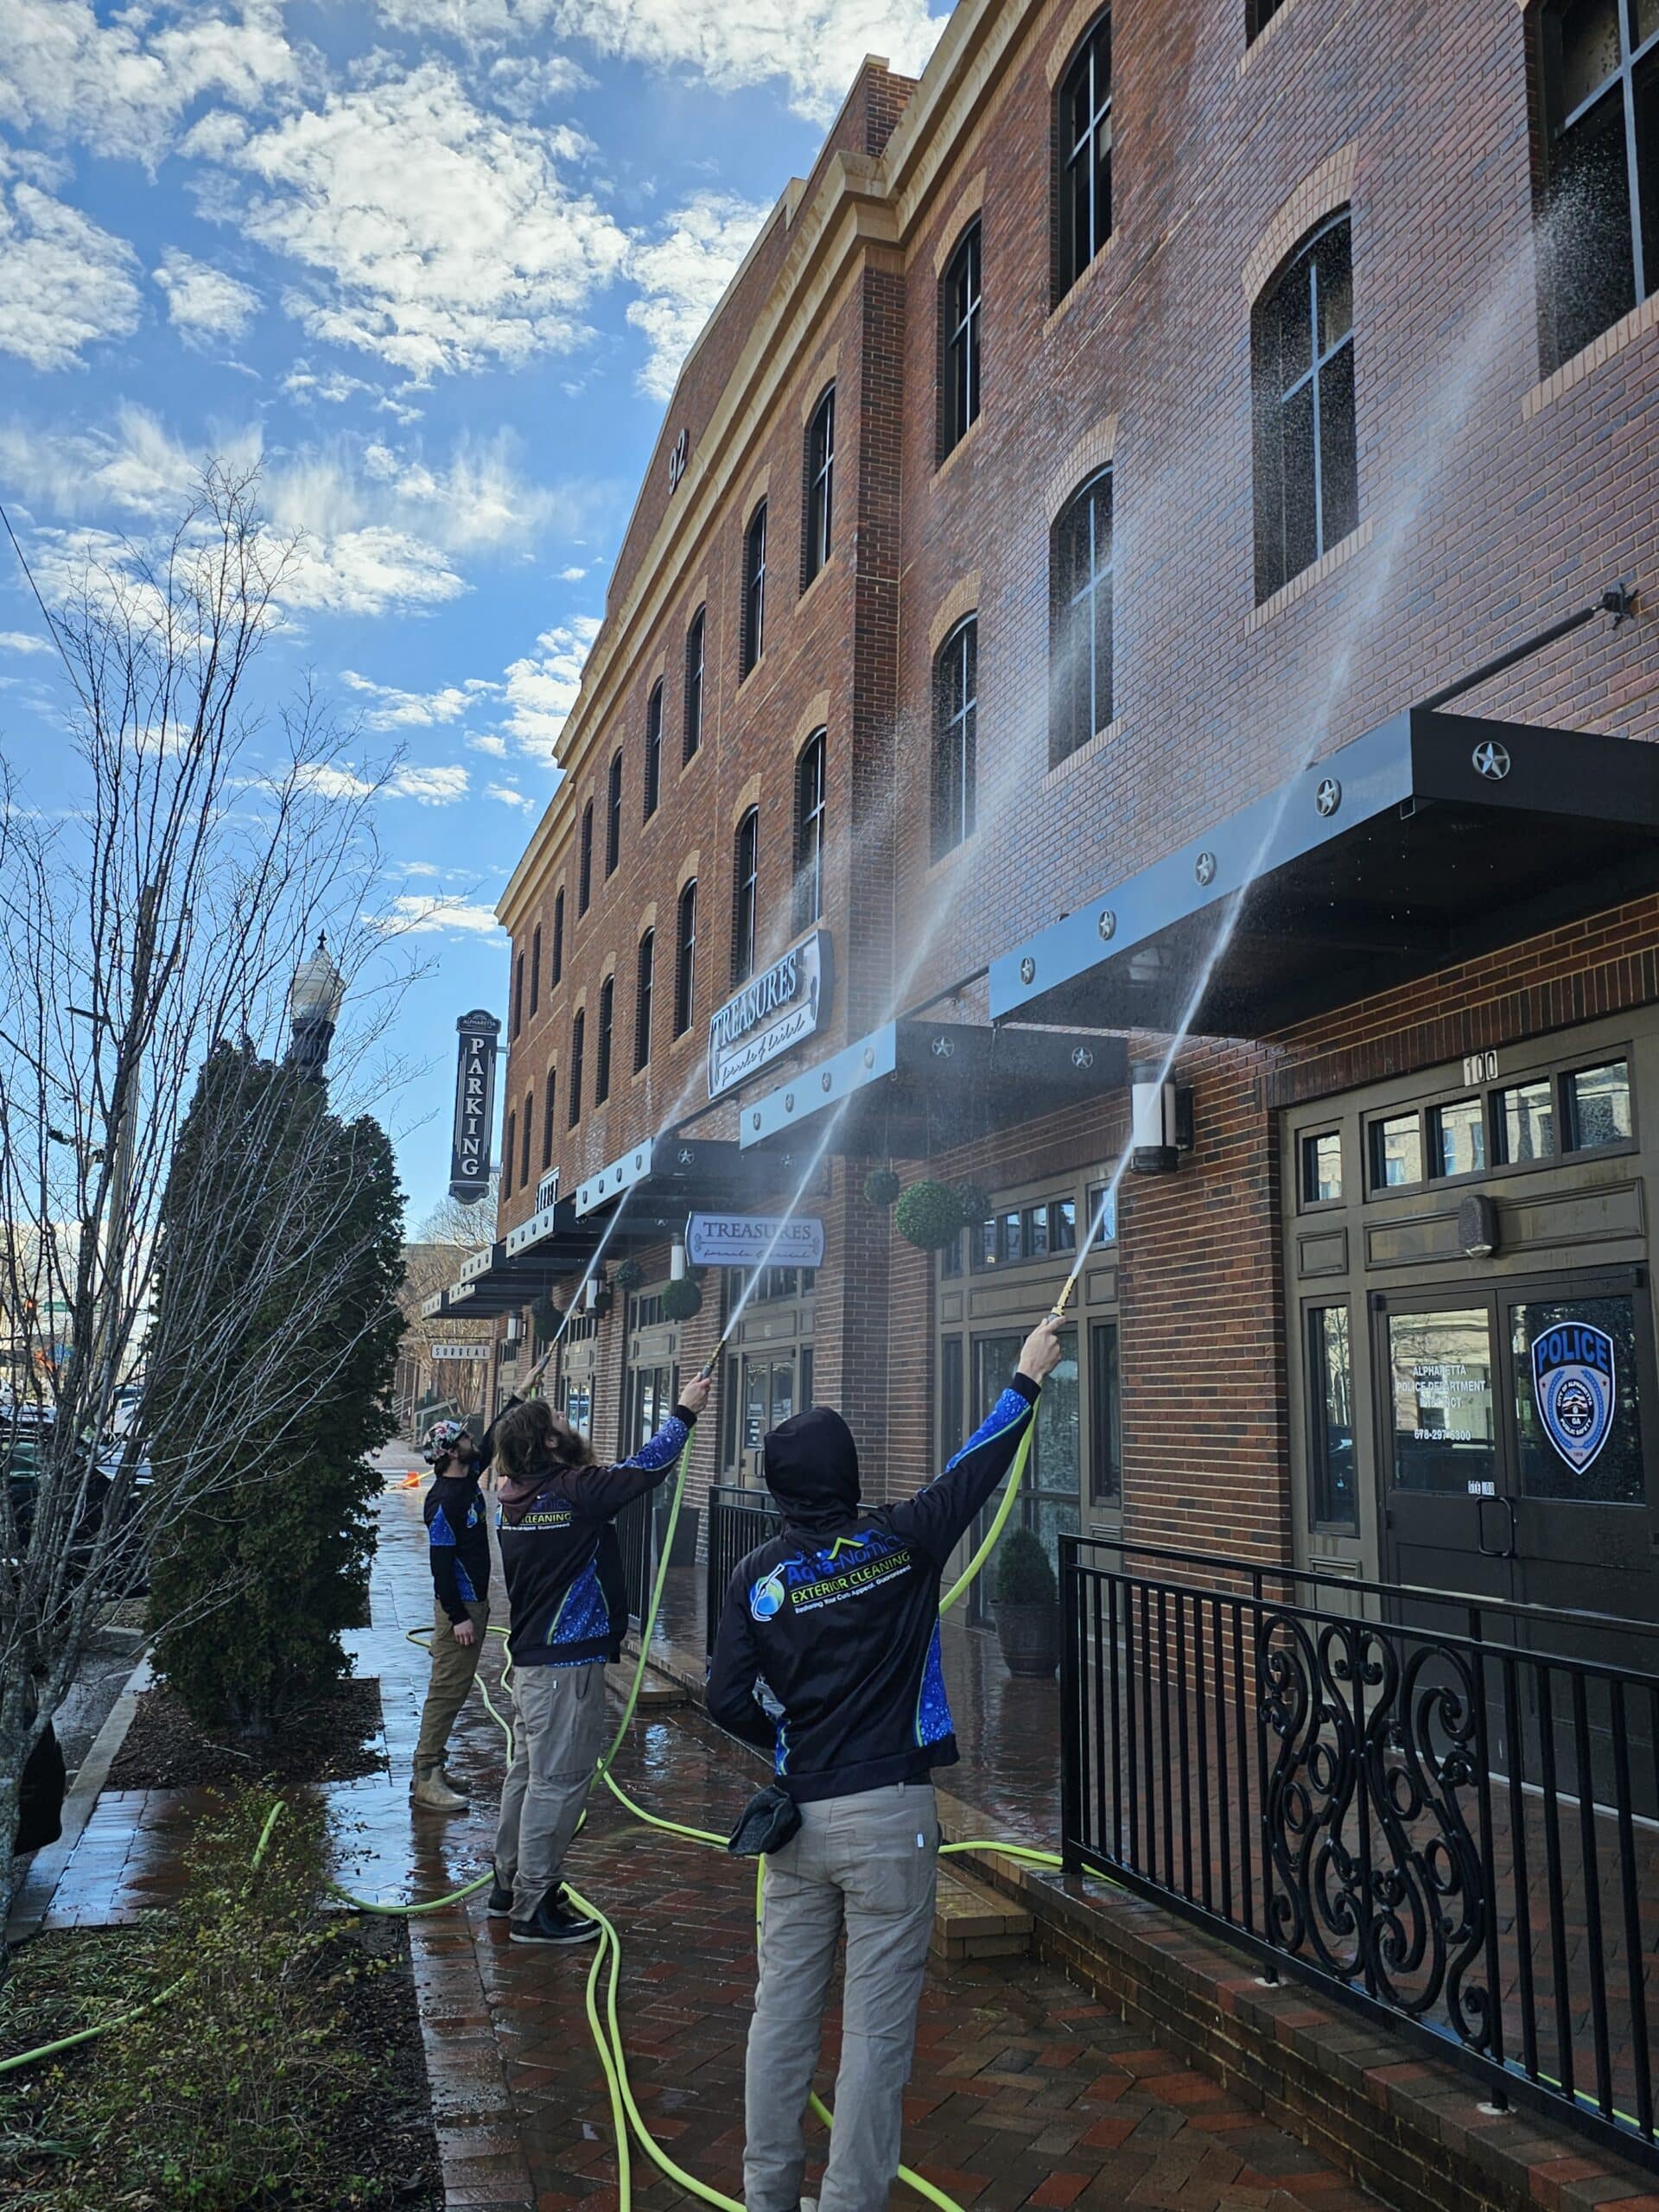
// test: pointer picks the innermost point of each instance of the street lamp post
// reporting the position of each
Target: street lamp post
(314, 1004)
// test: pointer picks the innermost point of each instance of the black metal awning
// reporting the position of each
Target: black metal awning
(912, 1088)
(1433, 838)
(663, 1179)
(518, 1269)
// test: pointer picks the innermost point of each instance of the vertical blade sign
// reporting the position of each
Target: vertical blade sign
(470, 1152)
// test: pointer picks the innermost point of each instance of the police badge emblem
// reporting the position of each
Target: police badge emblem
(1573, 1385)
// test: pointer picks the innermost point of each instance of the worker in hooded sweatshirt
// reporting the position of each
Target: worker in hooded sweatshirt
(836, 1621)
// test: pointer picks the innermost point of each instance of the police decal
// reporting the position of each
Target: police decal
(1573, 1385)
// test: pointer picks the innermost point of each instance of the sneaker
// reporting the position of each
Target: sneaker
(501, 1904)
(432, 1794)
(553, 1922)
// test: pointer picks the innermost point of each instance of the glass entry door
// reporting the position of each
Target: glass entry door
(767, 1397)
(1049, 1494)
(650, 1401)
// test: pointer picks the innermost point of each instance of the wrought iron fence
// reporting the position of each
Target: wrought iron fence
(738, 1520)
(636, 1531)
(1442, 1808)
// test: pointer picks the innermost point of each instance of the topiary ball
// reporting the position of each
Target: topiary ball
(682, 1300)
(882, 1187)
(928, 1215)
(627, 1275)
(975, 1202)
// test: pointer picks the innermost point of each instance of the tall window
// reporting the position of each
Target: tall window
(745, 882)
(518, 994)
(602, 1041)
(1080, 626)
(536, 967)
(754, 589)
(585, 880)
(1599, 69)
(820, 485)
(529, 1127)
(557, 975)
(959, 351)
(808, 833)
(643, 979)
(693, 637)
(653, 778)
(509, 1152)
(614, 816)
(955, 737)
(578, 1040)
(1258, 14)
(1306, 463)
(1083, 157)
(549, 1095)
(685, 957)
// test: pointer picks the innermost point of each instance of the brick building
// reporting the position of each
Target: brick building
(1094, 463)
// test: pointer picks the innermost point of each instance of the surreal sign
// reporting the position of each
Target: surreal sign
(470, 1147)
(773, 1012)
(1573, 1382)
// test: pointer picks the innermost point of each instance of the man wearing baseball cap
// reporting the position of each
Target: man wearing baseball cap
(459, 1548)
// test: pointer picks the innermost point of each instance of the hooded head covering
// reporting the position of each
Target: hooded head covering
(812, 1468)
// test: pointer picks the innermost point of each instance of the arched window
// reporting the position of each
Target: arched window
(1083, 157)
(1302, 358)
(808, 833)
(820, 486)
(685, 957)
(536, 967)
(529, 1127)
(557, 975)
(585, 882)
(653, 777)
(643, 979)
(1080, 618)
(745, 854)
(518, 994)
(614, 816)
(509, 1152)
(1258, 14)
(1599, 76)
(602, 1043)
(955, 737)
(959, 305)
(578, 1040)
(754, 589)
(694, 637)
(550, 1094)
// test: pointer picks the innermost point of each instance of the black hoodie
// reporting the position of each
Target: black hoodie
(839, 1615)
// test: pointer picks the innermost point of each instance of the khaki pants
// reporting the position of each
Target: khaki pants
(868, 1864)
(454, 1666)
(558, 1728)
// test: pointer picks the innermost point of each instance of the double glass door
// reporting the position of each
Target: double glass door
(771, 1386)
(1049, 1496)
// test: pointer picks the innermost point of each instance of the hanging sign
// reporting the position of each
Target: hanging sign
(773, 1012)
(745, 1240)
(460, 1351)
(1572, 1384)
(470, 1148)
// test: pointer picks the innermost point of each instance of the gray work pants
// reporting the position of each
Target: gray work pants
(558, 1726)
(868, 1864)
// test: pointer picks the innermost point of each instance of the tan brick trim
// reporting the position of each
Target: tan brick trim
(826, 371)
(1306, 579)
(690, 866)
(646, 921)
(1089, 453)
(1617, 336)
(962, 599)
(748, 797)
(1320, 192)
(656, 673)
(1067, 36)
(967, 203)
(815, 717)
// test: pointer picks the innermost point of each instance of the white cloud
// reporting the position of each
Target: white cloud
(136, 465)
(431, 786)
(420, 870)
(303, 385)
(65, 282)
(420, 913)
(24, 641)
(416, 709)
(369, 571)
(542, 686)
(509, 795)
(433, 234)
(571, 576)
(486, 741)
(682, 274)
(203, 301)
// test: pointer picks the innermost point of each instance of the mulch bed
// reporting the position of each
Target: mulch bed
(335, 1740)
(379, 2155)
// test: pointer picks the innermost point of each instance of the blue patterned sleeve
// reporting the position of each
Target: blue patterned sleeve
(937, 1516)
(605, 1491)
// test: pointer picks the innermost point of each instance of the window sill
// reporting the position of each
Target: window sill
(1263, 37)
(947, 860)
(829, 566)
(1080, 290)
(754, 669)
(960, 448)
(1617, 336)
(1307, 579)
(1087, 751)
(687, 761)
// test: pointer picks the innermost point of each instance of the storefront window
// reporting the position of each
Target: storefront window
(1576, 1413)
(579, 1407)
(1396, 1153)
(1440, 1379)
(1332, 1501)
(1526, 1122)
(1321, 1167)
(1105, 1416)
(1049, 1502)
(1460, 1138)
(1598, 1106)
(1020, 1233)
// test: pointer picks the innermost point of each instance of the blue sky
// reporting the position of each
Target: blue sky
(433, 264)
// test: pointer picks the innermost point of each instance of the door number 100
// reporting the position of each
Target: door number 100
(1480, 1067)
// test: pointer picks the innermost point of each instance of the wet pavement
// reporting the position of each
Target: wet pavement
(1025, 2092)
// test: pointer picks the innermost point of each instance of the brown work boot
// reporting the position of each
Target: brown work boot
(432, 1793)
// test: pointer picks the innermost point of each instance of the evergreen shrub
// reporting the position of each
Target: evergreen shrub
(928, 1215)
(1024, 1575)
(682, 1300)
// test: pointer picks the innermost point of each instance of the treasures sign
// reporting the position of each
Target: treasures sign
(469, 1151)
(745, 1240)
(774, 1011)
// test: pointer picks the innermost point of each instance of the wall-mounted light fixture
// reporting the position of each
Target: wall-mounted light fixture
(1478, 1237)
(677, 1260)
(515, 1327)
(590, 1294)
(1160, 1121)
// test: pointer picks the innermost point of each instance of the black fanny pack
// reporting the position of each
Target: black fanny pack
(769, 1819)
